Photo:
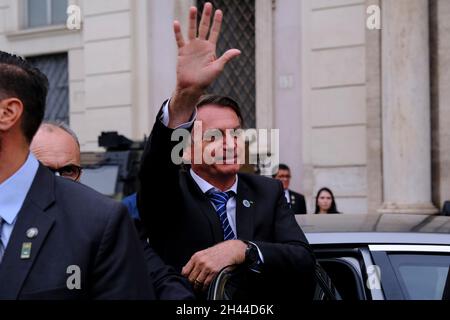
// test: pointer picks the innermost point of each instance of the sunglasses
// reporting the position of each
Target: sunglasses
(70, 171)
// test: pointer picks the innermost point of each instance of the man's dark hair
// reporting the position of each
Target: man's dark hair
(221, 101)
(19, 79)
(281, 166)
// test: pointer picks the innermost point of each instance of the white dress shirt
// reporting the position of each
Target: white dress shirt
(287, 196)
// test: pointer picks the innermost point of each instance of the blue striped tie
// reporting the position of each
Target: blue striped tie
(220, 199)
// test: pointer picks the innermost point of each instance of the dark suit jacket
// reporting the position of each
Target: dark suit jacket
(76, 227)
(168, 284)
(297, 202)
(181, 220)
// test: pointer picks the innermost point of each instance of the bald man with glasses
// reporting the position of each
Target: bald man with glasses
(56, 146)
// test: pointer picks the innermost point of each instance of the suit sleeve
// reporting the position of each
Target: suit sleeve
(289, 255)
(120, 271)
(168, 284)
(159, 191)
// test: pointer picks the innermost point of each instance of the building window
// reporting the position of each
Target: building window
(55, 67)
(41, 13)
(238, 78)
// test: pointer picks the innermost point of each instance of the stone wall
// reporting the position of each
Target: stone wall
(334, 101)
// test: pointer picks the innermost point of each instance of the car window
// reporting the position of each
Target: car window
(422, 277)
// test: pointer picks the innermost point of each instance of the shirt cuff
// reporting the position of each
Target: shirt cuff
(165, 117)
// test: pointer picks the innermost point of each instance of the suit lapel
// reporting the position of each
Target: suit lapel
(245, 210)
(14, 268)
(206, 208)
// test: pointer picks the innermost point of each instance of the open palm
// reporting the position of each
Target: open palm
(198, 65)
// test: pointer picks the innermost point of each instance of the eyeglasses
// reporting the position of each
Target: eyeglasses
(70, 171)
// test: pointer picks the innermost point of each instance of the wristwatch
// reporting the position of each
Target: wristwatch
(251, 253)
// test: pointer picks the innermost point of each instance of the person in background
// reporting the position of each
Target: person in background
(295, 200)
(325, 202)
(57, 147)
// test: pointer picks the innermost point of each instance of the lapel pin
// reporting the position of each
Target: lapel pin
(246, 203)
(26, 250)
(32, 233)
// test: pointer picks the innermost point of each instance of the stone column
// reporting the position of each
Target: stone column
(374, 121)
(440, 102)
(264, 63)
(406, 107)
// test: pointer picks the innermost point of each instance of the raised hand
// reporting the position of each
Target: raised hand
(197, 65)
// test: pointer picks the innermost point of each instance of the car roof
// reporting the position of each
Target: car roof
(375, 228)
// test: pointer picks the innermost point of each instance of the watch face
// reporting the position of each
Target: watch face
(252, 254)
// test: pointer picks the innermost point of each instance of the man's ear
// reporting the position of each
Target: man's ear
(11, 110)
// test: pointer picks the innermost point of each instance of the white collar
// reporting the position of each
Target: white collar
(205, 186)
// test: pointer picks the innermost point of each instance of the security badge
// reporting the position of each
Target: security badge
(25, 253)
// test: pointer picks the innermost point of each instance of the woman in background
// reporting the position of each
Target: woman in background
(325, 202)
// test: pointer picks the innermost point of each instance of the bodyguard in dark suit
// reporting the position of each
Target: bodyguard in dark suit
(58, 239)
(205, 217)
(295, 200)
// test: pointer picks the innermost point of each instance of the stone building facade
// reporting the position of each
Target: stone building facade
(363, 111)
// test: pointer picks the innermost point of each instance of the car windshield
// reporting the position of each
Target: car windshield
(423, 277)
